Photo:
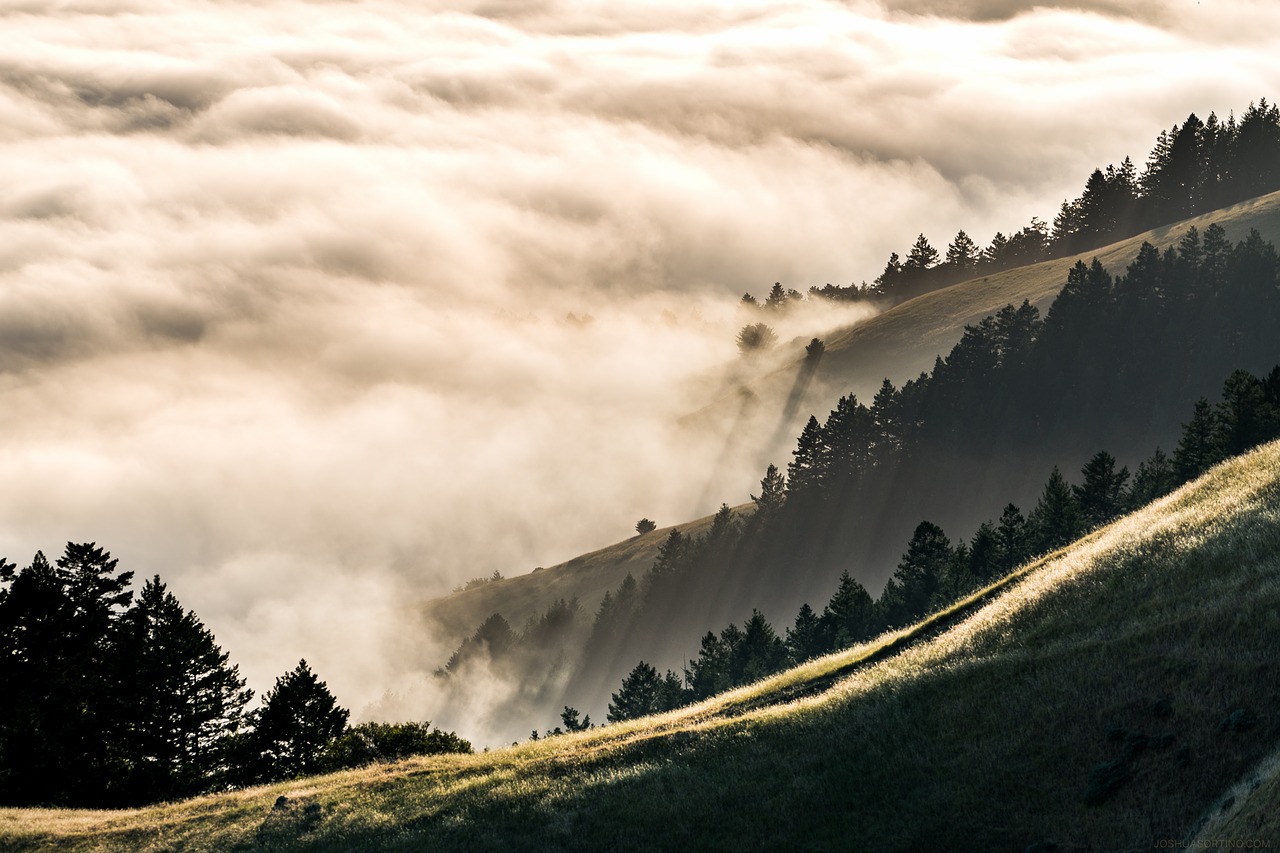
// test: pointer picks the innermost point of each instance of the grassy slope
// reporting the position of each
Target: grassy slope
(899, 343)
(588, 577)
(902, 342)
(979, 732)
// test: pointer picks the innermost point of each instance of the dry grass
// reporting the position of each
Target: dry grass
(1134, 646)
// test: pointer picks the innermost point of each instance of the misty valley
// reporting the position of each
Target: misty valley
(321, 350)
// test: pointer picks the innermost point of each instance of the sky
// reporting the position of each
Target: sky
(318, 309)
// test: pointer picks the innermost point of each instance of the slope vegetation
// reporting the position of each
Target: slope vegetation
(899, 344)
(903, 341)
(1104, 697)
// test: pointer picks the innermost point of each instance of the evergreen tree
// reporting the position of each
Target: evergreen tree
(985, 559)
(1198, 449)
(849, 616)
(804, 639)
(773, 494)
(637, 696)
(761, 652)
(1101, 497)
(1056, 520)
(671, 555)
(569, 716)
(908, 593)
(806, 474)
(57, 720)
(963, 255)
(1245, 418)
(1012, 547)
(298, 719)
(180, 701)
(922, 256)
(671, 693)
(886, 413)
(1155, 478)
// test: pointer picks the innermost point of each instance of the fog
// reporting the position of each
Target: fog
(316, 310)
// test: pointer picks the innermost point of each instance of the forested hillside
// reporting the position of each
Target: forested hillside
(1105, 697)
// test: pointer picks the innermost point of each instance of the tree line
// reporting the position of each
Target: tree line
(1115, 362)
(1194, 167)
(933, 573)
(112, 699)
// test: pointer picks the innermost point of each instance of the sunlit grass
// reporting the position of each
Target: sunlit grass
(976, 729)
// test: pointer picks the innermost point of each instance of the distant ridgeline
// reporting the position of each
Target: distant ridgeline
(111, 700)
(1194, 168)
(1118, 360)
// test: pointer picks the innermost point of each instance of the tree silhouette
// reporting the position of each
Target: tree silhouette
(756, 337)
(299, 718)
(637, 696)
(180, 702)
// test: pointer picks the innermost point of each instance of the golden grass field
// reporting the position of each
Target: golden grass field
(1144, 652)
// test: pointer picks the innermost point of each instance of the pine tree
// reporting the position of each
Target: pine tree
(908, 593)
(849, 616)
(762, 651)
(922, 256)
(637, 696)
(1011, 538)
(806, 472)
(569, 716)
(56, 719)
(1245, 418)
(298, 719)
(709, 672)
(804, 639)
(984, 561)
(671, 555)
(1056, 520)
(1101, 496)
(773, 494)
(886, 412)
(963, 254)
(1198, 448)
(1155, 478)
(181, 700)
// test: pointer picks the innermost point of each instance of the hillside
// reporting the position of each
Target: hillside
(1102, 698)
(898, 343)
(588, 577)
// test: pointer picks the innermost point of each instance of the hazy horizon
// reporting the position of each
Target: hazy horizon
(317, 310)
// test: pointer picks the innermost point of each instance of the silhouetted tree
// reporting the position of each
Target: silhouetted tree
(1012, 546)
(1198, 449)
(908, 593)
(773, 494)
(849, 616)
(569, 716)
(1101, 496)
(1155, 478)
(59, 717)
(1056, 520)
(637, 696)
(755, 337)
(644, 526)
(181, 702)
(804, 639)
(298, 720)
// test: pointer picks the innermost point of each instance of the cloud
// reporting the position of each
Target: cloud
(317, 311)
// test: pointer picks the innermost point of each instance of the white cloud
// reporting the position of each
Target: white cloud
(284, 287)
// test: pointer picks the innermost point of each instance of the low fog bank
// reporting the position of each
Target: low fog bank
(316, 315)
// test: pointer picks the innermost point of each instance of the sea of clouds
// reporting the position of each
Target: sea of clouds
(320, 308)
